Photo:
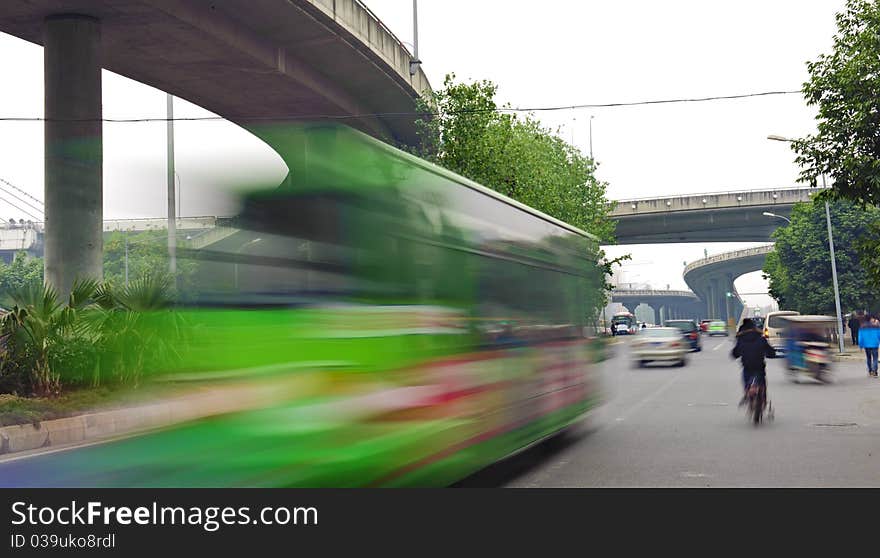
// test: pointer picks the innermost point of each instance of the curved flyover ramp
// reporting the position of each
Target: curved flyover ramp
(713, 277)
(251, 60)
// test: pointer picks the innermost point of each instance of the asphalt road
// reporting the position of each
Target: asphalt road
(681, 427)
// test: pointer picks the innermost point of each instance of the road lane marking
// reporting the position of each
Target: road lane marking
(692, 475)
(719, 345)
(647, 399)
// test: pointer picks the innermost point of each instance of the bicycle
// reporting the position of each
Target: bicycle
(758, 402)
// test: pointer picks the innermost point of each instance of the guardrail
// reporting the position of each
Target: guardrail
(652, 292)
(382, 25)
(722, 193)
(727, 256)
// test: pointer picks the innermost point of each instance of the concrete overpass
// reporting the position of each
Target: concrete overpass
(711, 278)
(252, 62)
(667, 304)
(719, 217)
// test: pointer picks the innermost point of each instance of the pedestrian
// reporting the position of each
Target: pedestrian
(854, 327)
(869, 339)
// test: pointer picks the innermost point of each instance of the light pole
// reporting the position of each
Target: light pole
(591, 137)
(768, 214)
(415, 62)
(831, 249)
(235, 265)
(730, 323)
(125, 235)
(179, 212)
(172, 217)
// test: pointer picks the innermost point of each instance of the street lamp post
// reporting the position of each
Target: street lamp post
(834, 278)
(415, 62)
(831, 249)
(125, 235)
(591, 137)
(730, 323)
(172, 217)
(768, 214)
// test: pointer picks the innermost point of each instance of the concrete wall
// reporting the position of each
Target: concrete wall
(718, 200)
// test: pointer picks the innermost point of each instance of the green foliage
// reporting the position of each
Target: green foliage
(799, 268)
(868, 246)
(147, 256)
(41, 336)
(513, 155)
(22, 272)
(99, 335)
(133, 329)
(843, 85)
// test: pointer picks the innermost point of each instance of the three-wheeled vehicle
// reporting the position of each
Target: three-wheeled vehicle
(808, 342)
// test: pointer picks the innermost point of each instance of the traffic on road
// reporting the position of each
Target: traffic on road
(672, 426)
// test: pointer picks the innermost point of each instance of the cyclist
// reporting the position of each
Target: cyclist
(752, 348)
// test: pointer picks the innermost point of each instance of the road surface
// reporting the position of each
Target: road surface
(680, 427)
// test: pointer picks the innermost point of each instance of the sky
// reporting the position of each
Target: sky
(552, 53)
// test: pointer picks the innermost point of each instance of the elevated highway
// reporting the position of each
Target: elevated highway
(261, 64)
(250, 61)
(713, 277)
(667, 304)
(718, 217)
(195, 232)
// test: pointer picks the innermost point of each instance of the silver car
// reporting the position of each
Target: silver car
(659, 344)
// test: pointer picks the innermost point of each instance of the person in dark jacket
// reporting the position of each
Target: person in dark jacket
(752, 348)
(854, 326)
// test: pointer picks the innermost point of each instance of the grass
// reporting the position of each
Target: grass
(33, 410)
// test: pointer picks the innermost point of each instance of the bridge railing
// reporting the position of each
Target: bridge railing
(652, 292)
(727, 256)
(720, 193)
(359, 20)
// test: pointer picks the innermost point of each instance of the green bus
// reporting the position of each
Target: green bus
(376, 321)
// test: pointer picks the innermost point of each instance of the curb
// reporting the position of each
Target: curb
(133, 420)
(82, 428)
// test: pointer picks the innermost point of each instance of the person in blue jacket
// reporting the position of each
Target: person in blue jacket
(869, 339)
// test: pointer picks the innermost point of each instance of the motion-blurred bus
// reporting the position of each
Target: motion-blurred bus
(380, 321)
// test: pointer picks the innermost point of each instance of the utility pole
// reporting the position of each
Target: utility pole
(172, 199)
(834, 274)
(125, 235)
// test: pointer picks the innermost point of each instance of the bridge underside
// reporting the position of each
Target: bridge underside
(665, 308)
(712, 283)
(253, 62)
(241, 59)
(710, 225)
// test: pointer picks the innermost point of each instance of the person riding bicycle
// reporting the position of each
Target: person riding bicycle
(752, 348)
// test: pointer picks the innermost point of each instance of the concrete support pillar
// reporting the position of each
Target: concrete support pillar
(657, 320)
(73, 151)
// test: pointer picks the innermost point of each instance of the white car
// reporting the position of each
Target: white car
(659, 344)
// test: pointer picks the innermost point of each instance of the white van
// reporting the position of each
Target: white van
(773, 328)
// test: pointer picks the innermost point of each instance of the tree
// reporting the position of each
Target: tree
(147, 257)
(799, 268)
(22, 272)
(516, 156)
(844, 85)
